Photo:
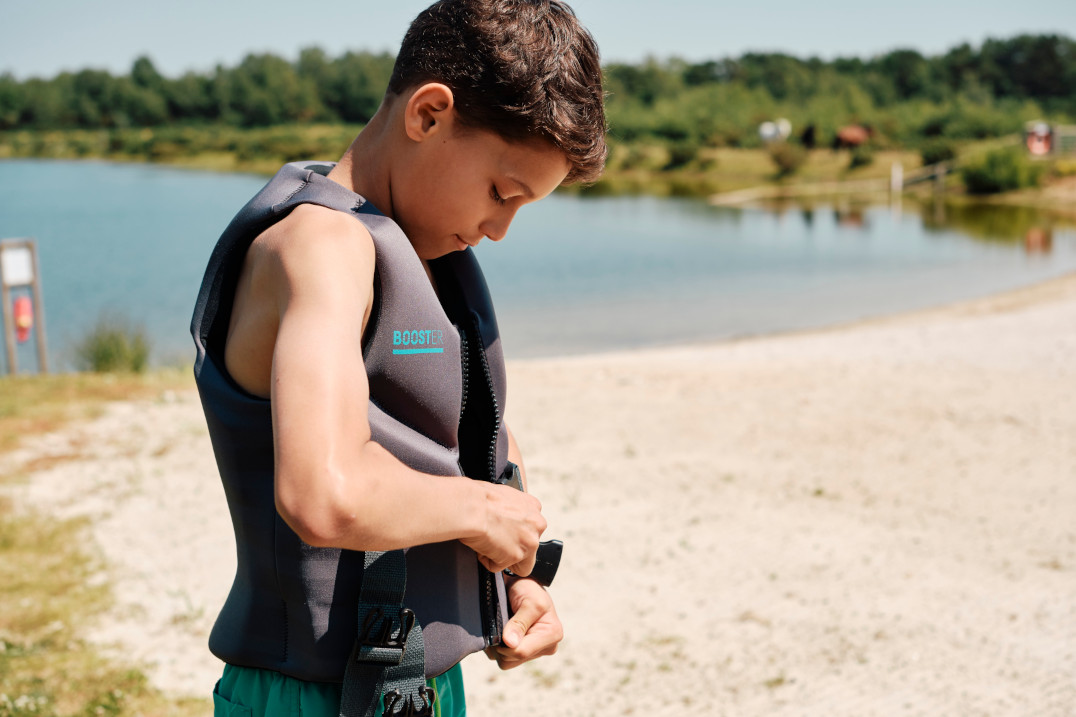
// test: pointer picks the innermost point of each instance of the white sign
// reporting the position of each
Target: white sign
(16, 266)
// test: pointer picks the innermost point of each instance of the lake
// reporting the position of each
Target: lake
(576, 273)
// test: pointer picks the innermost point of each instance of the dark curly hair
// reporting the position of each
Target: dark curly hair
(520, 68)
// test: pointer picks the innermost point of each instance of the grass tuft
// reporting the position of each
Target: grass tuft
(114, 345)
(50, 594)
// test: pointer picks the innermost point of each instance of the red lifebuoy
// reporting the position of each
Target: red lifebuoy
(24, 318)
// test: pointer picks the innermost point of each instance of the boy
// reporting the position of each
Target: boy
(351, 375)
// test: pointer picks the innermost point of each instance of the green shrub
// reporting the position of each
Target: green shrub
(645, 157)
(937, 150)
(113, 346)
(788, 158)
(681, 154)
(1001, 171)
(862, 156)
(1064, 168)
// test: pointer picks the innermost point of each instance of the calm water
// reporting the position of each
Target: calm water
(575, 274)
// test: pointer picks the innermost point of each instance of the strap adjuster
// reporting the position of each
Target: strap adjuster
(399, 705)
(379, 641)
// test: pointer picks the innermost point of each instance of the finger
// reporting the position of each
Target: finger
(490, 565)
(509, 663)
(524, 567)
(527, 612)
(540, 640)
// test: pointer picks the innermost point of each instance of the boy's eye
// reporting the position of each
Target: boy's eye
(496, 195)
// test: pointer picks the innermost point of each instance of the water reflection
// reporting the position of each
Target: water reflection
(1029, 226)
(850, 217)
(1039, 240)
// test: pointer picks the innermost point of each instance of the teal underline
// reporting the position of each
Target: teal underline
(418, 351)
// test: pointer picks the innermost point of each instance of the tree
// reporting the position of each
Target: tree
(12, 101)
(908, 71)
(359, 80)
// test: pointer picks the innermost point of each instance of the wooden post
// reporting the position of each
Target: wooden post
(27, 274)
(39, 310)
(896, 178)
(9, 328)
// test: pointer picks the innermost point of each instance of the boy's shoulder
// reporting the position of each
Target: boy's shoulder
(314, 234)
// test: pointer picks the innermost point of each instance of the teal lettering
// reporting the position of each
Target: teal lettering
(418, 337)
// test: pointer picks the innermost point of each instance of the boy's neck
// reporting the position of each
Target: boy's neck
(364, 168)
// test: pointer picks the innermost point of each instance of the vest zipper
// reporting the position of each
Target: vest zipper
(491, 614)
(492, 454)
(465, 360)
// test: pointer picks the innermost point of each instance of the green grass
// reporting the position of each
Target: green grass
(725, 170)
(32, 405)
(219, 148)
(49, 586)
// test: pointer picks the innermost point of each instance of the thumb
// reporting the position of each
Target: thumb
(513, 633)
(526, 613)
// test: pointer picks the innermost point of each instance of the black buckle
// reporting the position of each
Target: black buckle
(378, 643)
(406, 704)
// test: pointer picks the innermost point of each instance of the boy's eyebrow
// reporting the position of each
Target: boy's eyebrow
(527, 191)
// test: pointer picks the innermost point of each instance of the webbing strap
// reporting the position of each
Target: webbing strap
(389, 655)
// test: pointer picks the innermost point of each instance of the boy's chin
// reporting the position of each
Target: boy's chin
(438, 253)
(442, 248)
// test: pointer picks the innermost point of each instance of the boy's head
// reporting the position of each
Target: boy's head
(523, 69)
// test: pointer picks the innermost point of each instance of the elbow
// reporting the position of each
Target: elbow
(315, 510)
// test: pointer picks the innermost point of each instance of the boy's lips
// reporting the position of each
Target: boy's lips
(464, 243)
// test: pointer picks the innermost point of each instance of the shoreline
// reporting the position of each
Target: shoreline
(851, 520)
(1057, 198)
(1052, 289)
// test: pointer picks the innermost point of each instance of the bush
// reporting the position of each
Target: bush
(862, 156)
(1001, 171)
(788, 158)
(938, 150)
(113, 346)
(1064, 168)
(681, 154)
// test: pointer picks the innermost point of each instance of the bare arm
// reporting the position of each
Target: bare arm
(334, 485)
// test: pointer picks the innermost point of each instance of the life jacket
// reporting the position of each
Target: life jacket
(437, 392)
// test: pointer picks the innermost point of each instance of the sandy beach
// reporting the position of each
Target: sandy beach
(875, 519)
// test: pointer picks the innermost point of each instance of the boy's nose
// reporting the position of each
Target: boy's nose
(496, 228)
(495, 231)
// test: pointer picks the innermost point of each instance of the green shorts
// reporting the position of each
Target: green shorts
(251, 692)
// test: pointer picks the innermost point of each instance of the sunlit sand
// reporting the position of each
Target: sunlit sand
(876, 519)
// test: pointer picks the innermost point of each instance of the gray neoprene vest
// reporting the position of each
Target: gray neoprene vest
(437, 388)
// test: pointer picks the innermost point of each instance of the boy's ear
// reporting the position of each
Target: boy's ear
(429, 111)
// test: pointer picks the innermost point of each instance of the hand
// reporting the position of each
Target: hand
(513, 527)
(533, 631)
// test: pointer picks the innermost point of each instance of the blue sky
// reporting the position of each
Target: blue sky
(44, 37)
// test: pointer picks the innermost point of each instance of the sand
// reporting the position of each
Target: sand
(876, 519)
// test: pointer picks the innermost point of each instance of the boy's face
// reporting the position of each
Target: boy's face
(462, 184)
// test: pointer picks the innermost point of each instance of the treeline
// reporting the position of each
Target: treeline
(262, 91)
(966, 93)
